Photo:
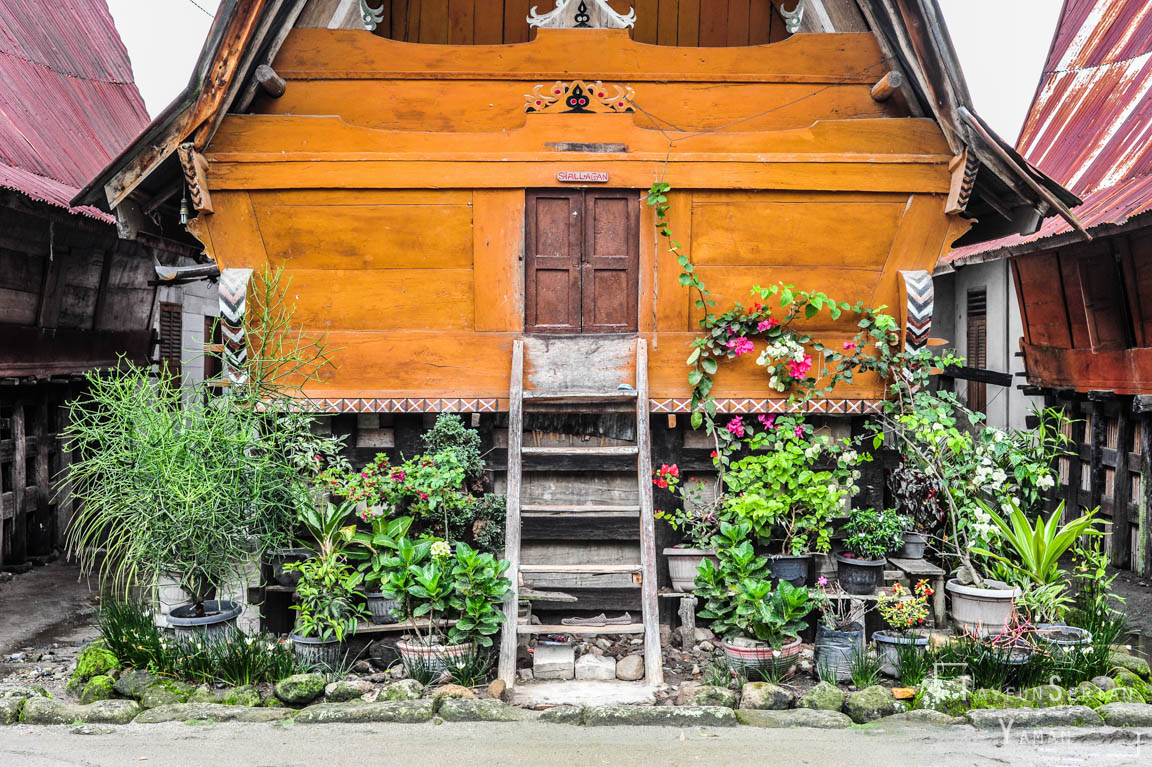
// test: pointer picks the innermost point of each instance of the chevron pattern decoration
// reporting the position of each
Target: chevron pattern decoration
(920, 298)
(233, 301)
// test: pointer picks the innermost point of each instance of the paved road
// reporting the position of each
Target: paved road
(530, 744)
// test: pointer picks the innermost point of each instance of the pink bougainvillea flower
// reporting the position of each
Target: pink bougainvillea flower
(740, 346)
(798, 431)
(756, 307)
(767, 421)
(849, 345)
(767, 324)
(736, 426)
(800, 369)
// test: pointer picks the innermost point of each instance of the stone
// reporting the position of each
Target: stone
(357, 712)
(711, 695)
(563, 715)
(703, 635)
(10, 710)
(48, 711)
(165, 693)
(212, 712)
(630, 668)
(1105, 683)
(97, 688)
(825, 696)
(870, 704)
(1084, 689)
(1137, 666)
(796, 717)
(669, 716)
(22, 691)
(525, 674)
(1046, 696)
(554, 662)
(449, 691)
(1125, 678)
(132, 684)
(948, 696)
(986, 698)
(244, 695)
(596, 667)
(1126, 714)
(203, 695)
(904, 693)
(405, 689)
(91, 729)
(706, 647)
(93, 660)
(496, 689)
(1122, 695)
(924, 716)
(458, 710)
(603, 643)
(347, 689)
(1056, 716)
(300, 689)
(765, 695)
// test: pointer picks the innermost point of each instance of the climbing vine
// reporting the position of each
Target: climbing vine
(788, 356)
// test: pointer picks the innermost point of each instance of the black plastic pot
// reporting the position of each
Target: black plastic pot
(913, 548)
(317, 653)
(787, 567)
(277, 558)
(383, 609)
(860, 576)
(219, 620)
(835, 651)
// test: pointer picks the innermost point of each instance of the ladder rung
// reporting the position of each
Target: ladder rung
(578, 396)
(574, 509)
(609, 450)
(592, 569)
(619, 628)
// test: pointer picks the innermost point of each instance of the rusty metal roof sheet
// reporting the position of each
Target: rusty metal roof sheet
(1090, 123)
(68, 102)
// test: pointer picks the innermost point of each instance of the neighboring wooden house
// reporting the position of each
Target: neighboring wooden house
(1087, 327)
(458, 198)
(73, 295)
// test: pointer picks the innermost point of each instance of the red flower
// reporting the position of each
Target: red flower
(714, 455)
(660, 482)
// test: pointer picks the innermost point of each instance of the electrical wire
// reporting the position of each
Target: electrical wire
(202, 8)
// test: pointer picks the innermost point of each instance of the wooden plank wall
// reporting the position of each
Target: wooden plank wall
(694, 23)
(1111, 468)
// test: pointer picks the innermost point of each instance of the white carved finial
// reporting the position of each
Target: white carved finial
(793, 18)
(576, 14)
(371, 18)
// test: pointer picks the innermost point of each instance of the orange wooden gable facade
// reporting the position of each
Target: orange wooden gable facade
(390, 181)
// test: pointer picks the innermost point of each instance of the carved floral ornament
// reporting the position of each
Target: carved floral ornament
(578, 97)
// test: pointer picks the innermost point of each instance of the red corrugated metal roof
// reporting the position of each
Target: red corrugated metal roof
(1090, 123)
(68, 103)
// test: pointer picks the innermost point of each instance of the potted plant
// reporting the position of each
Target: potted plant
(695, 518)
(190, 488)
(375, 549)
(456, 595)
(781, 493)
(327, 604)
(914, 545)
(871, 536)
(839, 631)
(903, 612)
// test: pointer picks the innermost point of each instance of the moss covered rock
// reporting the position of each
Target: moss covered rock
(1126, 714)
(461, 710)
(669, 716)
(23, 691)
(211, 712)
(1046, 696)
(712, 695)
(92, 661)
(203, 694)
(48, 711)
(356, 712)
(986, 698)
(1137, 666)
(166, 692)
(765, 695)
(132, 684)
(98, 688)
(947, 696)
(10, 710)
(870, 704)
(1056, 716)
(825, 696)
(405, 689)
(299, 689)
(1125, 678)
(822, 719)
(244, 695)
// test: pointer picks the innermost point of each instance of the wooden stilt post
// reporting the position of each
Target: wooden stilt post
(1121, 492)
(653, 657)
(510, 637)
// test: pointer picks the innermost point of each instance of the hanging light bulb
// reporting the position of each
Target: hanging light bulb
(185, 211)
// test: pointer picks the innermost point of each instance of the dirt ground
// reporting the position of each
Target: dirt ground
(1137, 594)
(46, 615)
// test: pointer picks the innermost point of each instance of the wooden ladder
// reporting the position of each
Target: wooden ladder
(645, 569)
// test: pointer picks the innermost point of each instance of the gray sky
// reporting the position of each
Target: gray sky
(1001, 44)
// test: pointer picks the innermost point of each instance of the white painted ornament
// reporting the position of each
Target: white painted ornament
(582, 14)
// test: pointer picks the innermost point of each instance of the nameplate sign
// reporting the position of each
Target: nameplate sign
(583, 176)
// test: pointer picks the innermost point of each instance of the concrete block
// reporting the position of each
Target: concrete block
(593, 666)
(554, 662)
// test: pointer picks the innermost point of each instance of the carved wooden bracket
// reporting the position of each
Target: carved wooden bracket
(578, 97)
(919, 301)
(233, 302)
(195, 169)
(963, 168)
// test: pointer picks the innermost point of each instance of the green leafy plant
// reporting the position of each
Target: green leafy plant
(912, 664)
(375, 549)
(479, 588)
(1045, 603)
(716, 583)
(875, 534)
(1035, 551)
(775, 617)
(863, 667)
(450, 433)
(328, 606)
(905, 611)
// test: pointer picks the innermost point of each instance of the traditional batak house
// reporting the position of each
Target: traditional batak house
(1086, 330)
(73, 295)
(457, 191)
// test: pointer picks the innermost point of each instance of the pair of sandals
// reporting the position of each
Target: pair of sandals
(598, 620)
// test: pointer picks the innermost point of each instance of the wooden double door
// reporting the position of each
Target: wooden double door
(581, 260)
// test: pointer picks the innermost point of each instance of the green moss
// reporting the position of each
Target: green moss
(92, 661)
(985, 698)
(99, 687)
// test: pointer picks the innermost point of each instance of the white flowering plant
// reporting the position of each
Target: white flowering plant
(786, 482)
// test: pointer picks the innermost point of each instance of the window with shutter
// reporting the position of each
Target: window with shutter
(977, 345)
(171, 338)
